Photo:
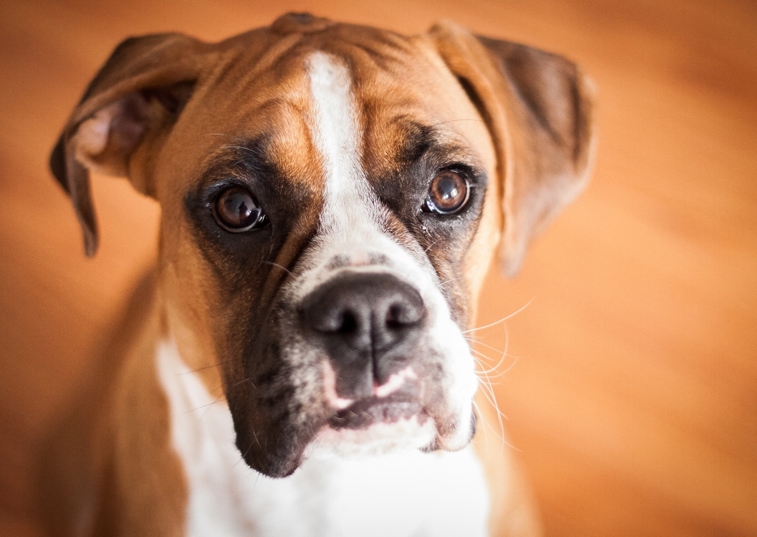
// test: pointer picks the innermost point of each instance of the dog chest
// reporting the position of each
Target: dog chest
(405, 494)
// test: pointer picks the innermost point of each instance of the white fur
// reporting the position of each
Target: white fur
(401, 493)
(335, 130)
(406, 494)
(350, 225)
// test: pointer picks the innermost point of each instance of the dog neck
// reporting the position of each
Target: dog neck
(399, 494)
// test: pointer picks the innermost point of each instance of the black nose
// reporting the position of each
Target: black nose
(369, 325)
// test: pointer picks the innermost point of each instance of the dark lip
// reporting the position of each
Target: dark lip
(366, 412)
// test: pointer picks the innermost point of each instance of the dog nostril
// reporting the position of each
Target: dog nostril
(367, 312)
(393, 317)
(335, 321)
(402, 315)
(368, 325)
(349, 323)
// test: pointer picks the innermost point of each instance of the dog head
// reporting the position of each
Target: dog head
(331, 198)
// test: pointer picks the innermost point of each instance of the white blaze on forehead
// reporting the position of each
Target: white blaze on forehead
(335, 129)
(350, 226)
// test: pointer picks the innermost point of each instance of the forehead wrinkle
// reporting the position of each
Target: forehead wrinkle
(260, 74)
(401, 142)
(242, 157)
(275, 53)
(416, 90)
(293, 147)
(281, 140)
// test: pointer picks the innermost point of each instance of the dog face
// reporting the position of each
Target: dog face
(331, 198)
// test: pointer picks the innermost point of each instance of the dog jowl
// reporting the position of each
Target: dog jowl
(331, 197)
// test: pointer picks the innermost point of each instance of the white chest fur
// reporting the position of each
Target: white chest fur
(409, 494)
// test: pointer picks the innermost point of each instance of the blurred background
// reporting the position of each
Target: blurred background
(630, 379)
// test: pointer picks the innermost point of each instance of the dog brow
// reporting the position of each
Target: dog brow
(420, 141)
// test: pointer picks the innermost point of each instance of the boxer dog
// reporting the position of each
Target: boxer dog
(331, 197)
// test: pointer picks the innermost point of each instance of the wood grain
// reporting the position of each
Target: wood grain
(630, 378)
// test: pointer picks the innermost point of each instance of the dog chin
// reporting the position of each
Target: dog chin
(381, 438)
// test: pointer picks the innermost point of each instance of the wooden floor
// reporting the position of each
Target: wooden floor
(631, 377)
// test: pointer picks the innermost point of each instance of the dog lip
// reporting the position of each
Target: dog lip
(366, 412)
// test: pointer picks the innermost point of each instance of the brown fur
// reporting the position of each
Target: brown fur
(111, 470)
(170, 106)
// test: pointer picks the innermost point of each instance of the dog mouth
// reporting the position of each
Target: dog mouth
(366, 385)
(377, 424)
(367, 412)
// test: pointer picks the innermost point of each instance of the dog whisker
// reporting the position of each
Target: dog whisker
(485, 379)
(482, 372)
(482, 418)
(503, 319)
(247, 450)
(499, 434)
(246, 379)
(480, 343)
(427, 248)
(491, 397)
(217, 364)
(279, 266)
(502, 440)
(206, 405)
(449, 280)
(502, 355)
(492, 372)
(459, 119)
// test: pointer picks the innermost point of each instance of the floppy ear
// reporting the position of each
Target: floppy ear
(132, 103)
(538, 109)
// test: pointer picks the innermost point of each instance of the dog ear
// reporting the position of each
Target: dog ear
(538, 109)
(132, 103)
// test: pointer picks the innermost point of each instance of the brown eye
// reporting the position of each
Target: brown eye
(448, 193)
(236, 210)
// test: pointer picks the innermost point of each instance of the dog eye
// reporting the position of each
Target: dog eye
(236, 210)
(447, 194)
